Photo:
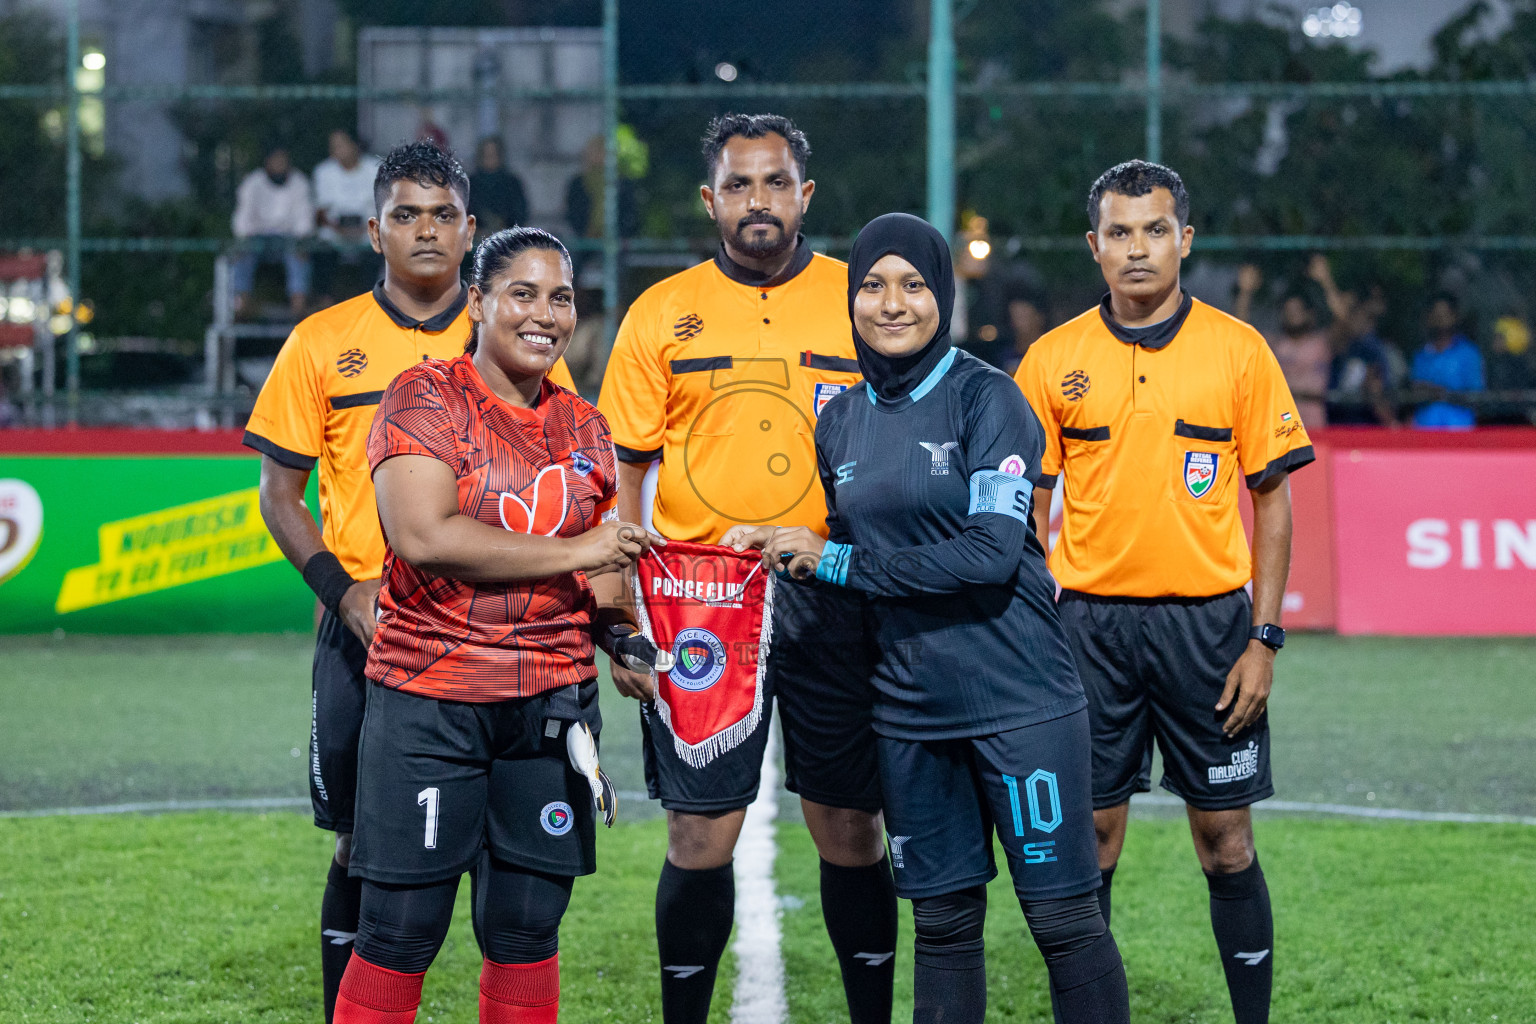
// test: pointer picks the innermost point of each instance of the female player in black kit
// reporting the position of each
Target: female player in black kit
(928, 468)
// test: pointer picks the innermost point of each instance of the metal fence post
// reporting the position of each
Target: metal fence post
(72, 211)
(941, 116)
(1155, 81)
(610, 170)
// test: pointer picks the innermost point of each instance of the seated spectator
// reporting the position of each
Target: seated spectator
(272, 209)
(343, 205)
(1448, 362)
(496, 195)
(1511, 370)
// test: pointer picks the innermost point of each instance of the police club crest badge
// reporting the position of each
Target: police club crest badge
(1200, 473)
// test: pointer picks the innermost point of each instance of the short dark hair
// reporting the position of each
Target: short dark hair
(753, 126)
(497, 252)
(425, 164)
(1138, 178)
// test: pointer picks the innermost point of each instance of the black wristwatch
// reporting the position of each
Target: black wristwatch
(1270, 636)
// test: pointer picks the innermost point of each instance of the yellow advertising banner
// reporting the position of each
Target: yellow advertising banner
(171, 547)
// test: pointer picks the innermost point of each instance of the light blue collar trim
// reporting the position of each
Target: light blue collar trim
(928, 383)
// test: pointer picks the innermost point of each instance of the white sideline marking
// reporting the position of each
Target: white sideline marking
(154, 807)
(759, 995)
(1352, 811)
(260, 803)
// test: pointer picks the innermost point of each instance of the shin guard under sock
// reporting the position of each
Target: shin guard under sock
(375, 995)
(694, 913)
(520, 993)
(859, 907)
(338, 929)
(1245, 935)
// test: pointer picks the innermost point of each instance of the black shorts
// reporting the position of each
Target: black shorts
(819, 673)
(945, 798)
(337, 697)
(1153, 670)
(441, 780)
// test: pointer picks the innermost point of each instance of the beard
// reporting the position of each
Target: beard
(768, 245)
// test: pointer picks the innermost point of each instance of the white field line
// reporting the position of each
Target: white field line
(1352, 811)
(261, 803)
(759, 995)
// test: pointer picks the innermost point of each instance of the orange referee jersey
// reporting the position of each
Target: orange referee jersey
(721, 377)
(319, 401)
(1150, 437)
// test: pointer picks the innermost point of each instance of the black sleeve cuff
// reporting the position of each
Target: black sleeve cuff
(277, 453)
(633, 455)
(1287, 463)
(1046, 480)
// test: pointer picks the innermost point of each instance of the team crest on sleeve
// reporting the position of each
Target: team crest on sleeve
(1200, 472)
(581, 464)
(1013, 464)
(826, 392)
(1075, 385)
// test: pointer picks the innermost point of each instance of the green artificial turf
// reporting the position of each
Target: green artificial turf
(211, 917)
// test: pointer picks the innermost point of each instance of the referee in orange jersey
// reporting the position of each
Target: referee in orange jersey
(720, 373)
(1158, 410)
(316, 408)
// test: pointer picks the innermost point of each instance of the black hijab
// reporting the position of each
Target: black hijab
(917, 242)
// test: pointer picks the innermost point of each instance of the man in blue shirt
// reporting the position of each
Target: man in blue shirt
(1449, 362)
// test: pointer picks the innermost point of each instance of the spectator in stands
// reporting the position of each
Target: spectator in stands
(496, 195)
(1449, 362)
(1511, 369)
(272, 209)
(1300, 346)
(343, 204)
(1363, 374)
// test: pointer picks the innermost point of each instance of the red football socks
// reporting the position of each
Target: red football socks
(519, 993)
(376, 995)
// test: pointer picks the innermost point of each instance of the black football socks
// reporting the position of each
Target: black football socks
(338, 929)
(859, 907)
(1108, 876)
(694, 913)
(949, 960)
(1245, 935)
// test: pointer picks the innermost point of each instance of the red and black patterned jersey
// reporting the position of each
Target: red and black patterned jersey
(550, 471)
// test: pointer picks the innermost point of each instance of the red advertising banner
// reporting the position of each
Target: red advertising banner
(1309, 592)
(1435, 540)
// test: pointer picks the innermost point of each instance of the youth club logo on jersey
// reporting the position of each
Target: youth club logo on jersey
(687, 327)
(544, 513)
(557, 818)
(845, 472)
(1199, 472)
(700, 658)
(940, 453)
(1012, 465)
(352, 362)
(826, 392)
(1075, 385)
(1245, 765)
(581, 464)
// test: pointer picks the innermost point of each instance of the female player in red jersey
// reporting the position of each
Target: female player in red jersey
(495, 488)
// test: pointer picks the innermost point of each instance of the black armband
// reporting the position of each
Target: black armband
(324, 575)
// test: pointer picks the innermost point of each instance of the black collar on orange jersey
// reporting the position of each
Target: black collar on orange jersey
(440, 322)
(755, 279)
(1153, 336)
